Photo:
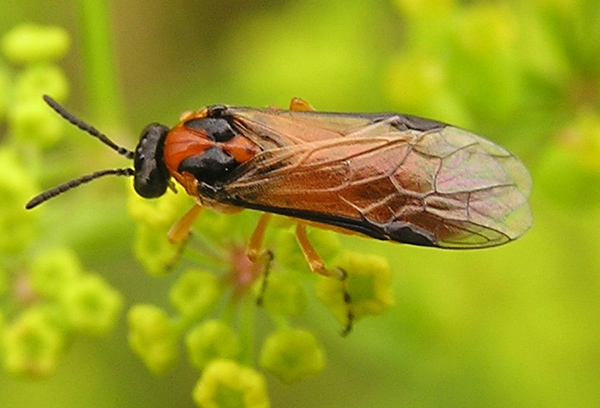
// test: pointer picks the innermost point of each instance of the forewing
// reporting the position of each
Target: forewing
(442, 186)
(276, 128)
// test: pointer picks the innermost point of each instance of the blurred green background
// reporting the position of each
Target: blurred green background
(514, 326)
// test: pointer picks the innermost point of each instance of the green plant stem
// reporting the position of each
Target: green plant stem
(99, 60)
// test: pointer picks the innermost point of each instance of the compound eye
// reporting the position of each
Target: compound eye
(151, 175)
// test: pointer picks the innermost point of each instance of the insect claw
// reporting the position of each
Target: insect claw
(181, 230)
(171, 186)
(317, 265)
(346, 330)
(254, 249)
(347, 300)
(265, 258)
(339, 274)
(169, 266)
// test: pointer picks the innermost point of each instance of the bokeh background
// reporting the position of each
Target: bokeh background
(515, 326)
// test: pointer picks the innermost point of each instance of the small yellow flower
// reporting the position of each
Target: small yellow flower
(292, 355)
(33, 344)
(152, 336)
(227, 384)
(211, 340)
(195, 293)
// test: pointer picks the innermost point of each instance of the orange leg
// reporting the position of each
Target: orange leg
(179, 234)
(256, 253)
(316, 264)
(254, 250)
(181, 230)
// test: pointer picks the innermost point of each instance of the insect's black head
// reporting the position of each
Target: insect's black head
(150, 172)
(151, 176)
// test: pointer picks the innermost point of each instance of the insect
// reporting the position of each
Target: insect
(381, 175)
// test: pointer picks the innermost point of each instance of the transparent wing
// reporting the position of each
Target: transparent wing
(442, 186)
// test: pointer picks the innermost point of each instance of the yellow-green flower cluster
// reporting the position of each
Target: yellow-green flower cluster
(47, 297)
(215, 306)
(34, 49)
(54, 300)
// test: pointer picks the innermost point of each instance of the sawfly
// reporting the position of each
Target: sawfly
(386, 176)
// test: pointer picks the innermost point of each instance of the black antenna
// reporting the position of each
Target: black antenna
(53, 192)
(87, 128)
